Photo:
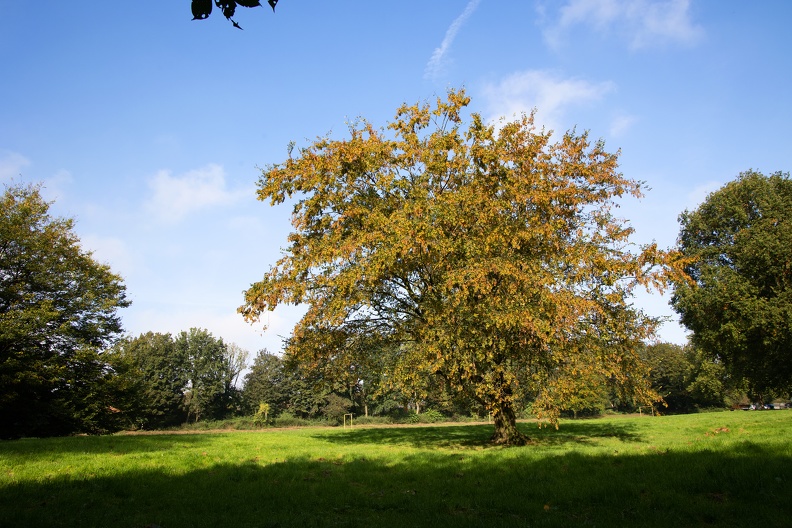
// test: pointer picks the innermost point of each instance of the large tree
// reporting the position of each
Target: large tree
(737, 296)
(58, 309)
(488, 254)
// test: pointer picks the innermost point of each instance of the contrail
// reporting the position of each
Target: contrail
(434, 66)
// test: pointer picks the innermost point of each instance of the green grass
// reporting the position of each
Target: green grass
(716, 469)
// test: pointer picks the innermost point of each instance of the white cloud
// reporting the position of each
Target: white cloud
(620, 125)
(175, 197)
(551, 95)
(644, 23)
(112, 251)
(11, 165)
(55, 187)
(436, 64)
(221, 321)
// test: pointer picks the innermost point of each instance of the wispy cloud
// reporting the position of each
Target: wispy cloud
(110, 250)
(544, 91)
(175, 197)
(12, 168)
(220, 318)
(11, 165)
(621, 125)
(644, 23)
(437, 63)
(56, 186)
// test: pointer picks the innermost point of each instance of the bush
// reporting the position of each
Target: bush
(374, 420)
(469, 418)
(430, 416)
(590, 412)
(240, 423)
(261, 418)
(287, 419)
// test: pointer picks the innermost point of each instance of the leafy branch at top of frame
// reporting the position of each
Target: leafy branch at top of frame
(201, 9)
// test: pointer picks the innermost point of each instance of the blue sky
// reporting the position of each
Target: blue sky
(148, 128)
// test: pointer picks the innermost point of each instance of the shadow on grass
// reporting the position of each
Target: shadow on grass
(121, 444)
(579, 432)
(424, 436)
(740, 485)
(585, 431)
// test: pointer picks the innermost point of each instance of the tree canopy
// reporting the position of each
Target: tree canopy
(486, 255)
(58, 309)
(737, 296)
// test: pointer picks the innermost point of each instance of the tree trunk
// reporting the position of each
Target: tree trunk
(506, 432)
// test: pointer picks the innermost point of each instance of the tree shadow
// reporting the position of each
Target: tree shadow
(424, 436)
(587, 432)
(744, 485)
(118, 444)
(478, 435)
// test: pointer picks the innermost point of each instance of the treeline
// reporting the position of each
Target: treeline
(686, 379)
(164, 381)
(161, 381)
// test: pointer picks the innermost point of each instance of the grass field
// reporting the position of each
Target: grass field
(717, 469)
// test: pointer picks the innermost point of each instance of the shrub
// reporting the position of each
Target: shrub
(430, 416)
(240, 423)
(466, 418)
(374, 420)
(287, 419)
(261, 418)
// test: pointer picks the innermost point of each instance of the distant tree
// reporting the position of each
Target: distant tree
(266, 382)
(491, 251)
(211, 392)
(201, 9)
(163, 381)
(58, 309)
(711, 385)
(737, 296)
(689, 379)
(335, 407)
(353, 372)
(236, 361)
(671, 373)
(307, 388)
(153, 374)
